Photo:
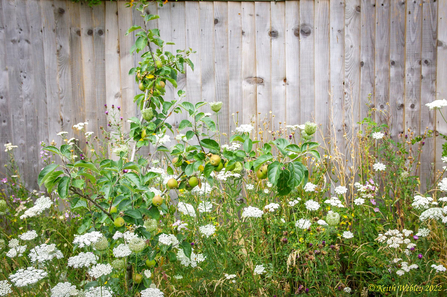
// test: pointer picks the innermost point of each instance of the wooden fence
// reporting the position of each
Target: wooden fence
(303, 60)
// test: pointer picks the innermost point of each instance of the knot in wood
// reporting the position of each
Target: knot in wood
(273, 33)
(305, 30)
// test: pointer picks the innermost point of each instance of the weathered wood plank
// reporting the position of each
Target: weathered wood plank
(5, 113)
(193, 77)
(382, 60)
(307, 61)
(352, 73)
(126, 63)
(99, 42)
(207, 57)
(367, 51)
(337, 66)
(112, 56)
(263, 57)
(397, 67)
(413, 66)
(441, 79)
(39, 84)
(235, 104)
(278, 63)
(249, 96)
(222, 65)
(292, 45)
(428, 89)
(322, 70)
(15, 96)
(88, 69)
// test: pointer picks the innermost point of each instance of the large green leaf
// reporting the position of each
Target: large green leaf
(45, 173)
(210, 144)
(274, 171)
(284, 187)
(248, 145)
(184, 124)
(261, 160)
(134, 178)
(133, 213)
(298, 173)
(51, 180)
(87, 165)
(187, 249)
(62, 188)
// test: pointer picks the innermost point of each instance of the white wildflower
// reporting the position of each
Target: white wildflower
(269, 184)
(249, 187)
(437, 104)
(117, 235)
(312, 205)
(30, 235)
(439, 268)
(121, 251)
(348, 235)
(294, 202)
(45, 252)
(303, 224)
(266, 191)
(186, 209)
(82, 260)
(340, 190)
(28, 276)
(16, 251)
(192, 261)
(322, 222)
(400, 272)
(88, 134)
(100, 269)
(259, 269)
(334, 201)
(244, 128)
(443, 184)
(162, 139)
(87, 239)
(272, 207)
(207, 230)
(435, 213)
(310, 187)
(98, 292)
(379, 166)
(406, 232)
(205, 189)
(359, 201)
(378, 135)
(5, 288)
(151, 292)
(40, 205)
(13, 243)
(233, 147)
(347, 290)
(9, 146)
(252, 212)
(64, 290)
(423, 232)
(147, 273)
(205, 206)
(62, 133)
(168, 239)
(230, 276)
(421, 202)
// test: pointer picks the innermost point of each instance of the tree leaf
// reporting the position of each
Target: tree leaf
(62, 188)
(133, 213)
(248, 145)
(274, 171)
(261, 160)
(210, 144)
(131, 29)
(45, 173)
(134, 178)
(184, 124)
(187, 249)
(87, 165)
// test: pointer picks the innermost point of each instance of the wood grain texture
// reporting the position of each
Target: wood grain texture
(367, 53)
(112, 56)
(413, 66)
(382, 60)
(249, 96)
(307, 63)
(428, 89)
(207, 53)
(278, 63)
(397, 68)
(263, 57)
(221, 62)
(292, 46)
(322, 70)
(337, 74)
(235, 79)
(441, 79)
(193, 77)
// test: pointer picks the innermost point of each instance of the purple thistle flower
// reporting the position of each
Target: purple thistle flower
(113, 106)
(125, 170)
(107, 112)
(119, 107)
(412, 248)
(105, 105)
(416, 237)
(307, 290)
(192, 243)
(420, 256)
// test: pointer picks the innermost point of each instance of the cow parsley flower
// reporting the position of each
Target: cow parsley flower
(230, 276)
(87, 239)
(303, 224)
(205, 189)
(322, 222)
(207, 230)
(249, 187)
(117, 235)
(64, 290)
(205, 206)
(40, 205)
(348, 235)
(5, 288)
(439, 268)
(340, 190)
(233, 147)
(16, 251)
(310, 187)
(13, 243)
(162, 139)
(400, 272)
(421, 202)
(192, 261)
(437, 104)
(435, 213)
(423, 232)
(82, 260)
(151, 292)
(168, 239)
(378, 135)
(98, 291)
(45, 252)
(244, 128)
(266, 191)
(443, 184)
(121, 251)
(272, 207)
(359, 201)
(252, 212)
(147, 273)
(259, 269)
(294, 202)
(334, 201)
(30, 235)
(100, 269)
(379, 167)
(312, 205)
(28, 276)
(186, 209)
(347, 290)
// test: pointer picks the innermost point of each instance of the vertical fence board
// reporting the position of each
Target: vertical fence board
(98, 15)
(292, 45)
(307, 62)
(126, 62)
(193, 77)
(263, 57)
(428, 88)
(221, 61)
(337, 74)
(397, 67)
(352, 71)
(322, 70)
(15, 95)
(235, 64)
(207, 58)
(249, 101)
(441, 79)
(278, 61)
(382, 59)
(413, 66)
(368, 21)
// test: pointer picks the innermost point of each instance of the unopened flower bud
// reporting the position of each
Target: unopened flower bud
(137, 245)
(310, 128)
(216, 106)
(332, 218)
(102, 244)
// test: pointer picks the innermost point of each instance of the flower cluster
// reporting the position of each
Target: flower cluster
(87, 239)
(207, 230)
(45, 252)
(40, 205)
(121, 251)
(244, 128)
(186, 209)
(64, 290)
(30, 235)
(395, 238)
(82, 260)
(334, 201)
(191, 261)
(312, 205)
(252, 212)
(100, 270)
(205, 206)
(168, 239)
(271, 207)
(28, 276)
